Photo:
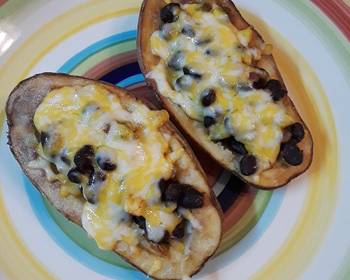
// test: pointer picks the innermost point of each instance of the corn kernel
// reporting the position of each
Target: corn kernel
(156, 266)
(129, 239)
(179, 246)
(245, 36)
(157, 119)
(135, 205)
(219, 13)
(267, 50)
(247, 59)
(68, 189)
(193, 10)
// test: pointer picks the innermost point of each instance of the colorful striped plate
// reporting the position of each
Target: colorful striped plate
(300, 231)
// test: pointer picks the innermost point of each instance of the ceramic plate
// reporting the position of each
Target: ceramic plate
(300, 231)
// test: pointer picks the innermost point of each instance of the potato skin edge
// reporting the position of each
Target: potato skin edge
(54, 77)
(144, 57)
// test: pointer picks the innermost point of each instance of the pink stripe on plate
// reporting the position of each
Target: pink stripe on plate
(338, 11)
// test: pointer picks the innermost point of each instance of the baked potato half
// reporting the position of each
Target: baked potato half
(217, 78)
(117, 168)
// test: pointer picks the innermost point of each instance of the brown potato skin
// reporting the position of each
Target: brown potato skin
(280, 173)
(20, 108)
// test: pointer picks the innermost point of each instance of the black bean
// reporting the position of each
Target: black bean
(106, 128)
(165, 239)
(297, 131)
(170, 13)
(179, 231)
(273, 85)
(54, 168)
(203, 41)
(172, 193)
(208, 97)
(248, 165)
(96, 178)
(74, 176)
(206, 7)
(177, 61)
(235, 146)
(188, 31)
(276, 89)
(292, 154)
(209, 121)
(278, 95)
(140, 221)
(182, 194)
(191, 72)
(186, 71)
(83, 159)
(44, 138)
(259, 84)
(106, 164)
(191, 198)
(163, 184)
(184, 82)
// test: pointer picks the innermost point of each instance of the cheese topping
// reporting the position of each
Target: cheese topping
(125, 136)
(203, 51)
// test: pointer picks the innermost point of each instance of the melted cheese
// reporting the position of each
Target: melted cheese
(78, 116)
(222, 55)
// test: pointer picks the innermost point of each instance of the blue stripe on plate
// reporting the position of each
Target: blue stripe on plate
(138, 78)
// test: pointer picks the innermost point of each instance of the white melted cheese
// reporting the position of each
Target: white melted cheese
(224, 61)
(190, 217)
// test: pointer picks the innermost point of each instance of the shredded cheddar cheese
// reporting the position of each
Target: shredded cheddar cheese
(72, 117)
(221, 58)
